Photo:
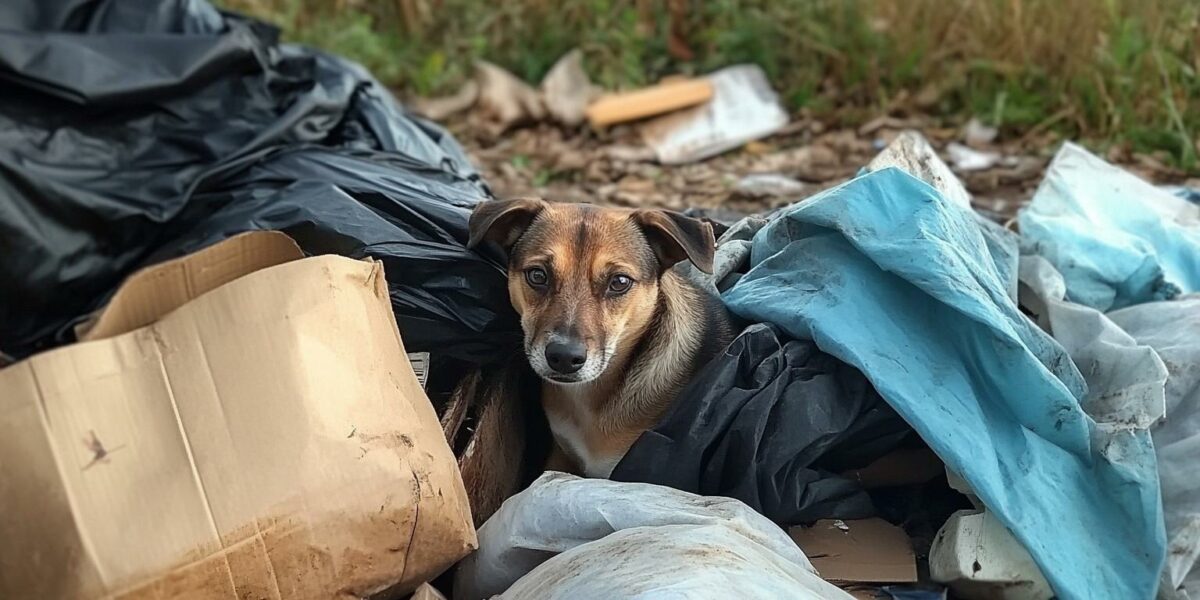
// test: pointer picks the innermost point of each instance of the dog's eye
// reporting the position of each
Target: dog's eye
(619, 284)
(536, 276)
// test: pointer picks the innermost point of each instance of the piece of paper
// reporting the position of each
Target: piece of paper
(743, 108)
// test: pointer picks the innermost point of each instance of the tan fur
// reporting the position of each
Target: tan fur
(612, 412)
(642, 346)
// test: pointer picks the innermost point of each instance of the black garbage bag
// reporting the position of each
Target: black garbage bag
(133, 131)
(770, 422)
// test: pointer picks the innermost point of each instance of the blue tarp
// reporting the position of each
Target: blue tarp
(887, 275)
(1117, 240)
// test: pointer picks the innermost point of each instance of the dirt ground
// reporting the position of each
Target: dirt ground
(615, 168)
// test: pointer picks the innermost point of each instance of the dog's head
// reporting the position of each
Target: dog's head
(585, 279)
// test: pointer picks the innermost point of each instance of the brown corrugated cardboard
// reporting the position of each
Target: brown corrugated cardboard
(655, 100)
(160, 289)
(266, 439)
(864, 551)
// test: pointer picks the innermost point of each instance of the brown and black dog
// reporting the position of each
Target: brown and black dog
(613, 332)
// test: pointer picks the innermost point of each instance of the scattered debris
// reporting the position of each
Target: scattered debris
(977, 135)
(911, 153)
(766, 185)
(964, 158)
(743, 108)
(979, 559)
(233, 433)
(504, 100)
(567, 91)
(440, 109)
(593, 539)
(856, 552)
(629, 153)
(665, 97)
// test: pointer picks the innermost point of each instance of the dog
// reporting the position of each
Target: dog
(613, 332)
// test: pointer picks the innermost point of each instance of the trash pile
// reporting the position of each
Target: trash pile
(247, 337)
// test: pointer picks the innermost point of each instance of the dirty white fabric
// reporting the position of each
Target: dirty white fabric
(1125, 379)
(1173, 330)
(582, 539)
(1141, 364)
(1118, 240)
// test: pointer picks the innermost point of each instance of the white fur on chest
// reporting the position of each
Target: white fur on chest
(569, 435)
(570, 438)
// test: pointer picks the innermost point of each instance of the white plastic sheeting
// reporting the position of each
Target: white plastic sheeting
(1117, 240)
(1173, 330)
(582, 539)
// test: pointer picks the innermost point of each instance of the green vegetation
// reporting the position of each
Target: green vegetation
(1107, 71)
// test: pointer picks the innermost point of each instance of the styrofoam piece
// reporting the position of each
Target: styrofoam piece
(911, 152)
(979, 559)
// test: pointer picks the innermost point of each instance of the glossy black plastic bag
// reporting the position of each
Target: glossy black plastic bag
(133, 131)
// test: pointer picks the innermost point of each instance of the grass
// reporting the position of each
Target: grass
(1104, 71)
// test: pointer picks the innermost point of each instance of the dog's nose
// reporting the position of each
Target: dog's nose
(566, 357)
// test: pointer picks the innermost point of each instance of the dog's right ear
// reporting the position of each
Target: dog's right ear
(502, 221)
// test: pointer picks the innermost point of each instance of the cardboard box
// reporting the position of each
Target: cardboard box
(242, 423)
(864, 551)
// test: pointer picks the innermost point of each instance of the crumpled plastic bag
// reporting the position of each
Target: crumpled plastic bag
(135, 132)
(886, 274)
(770, 422)
(1116, 239)
(570, 538)
(1173, 330)
(1125, 379)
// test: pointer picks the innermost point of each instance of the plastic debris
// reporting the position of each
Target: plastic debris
(743, 108)
(965, 158)
(768, 185)
(888, 275)
(1172, 329)
(1117, 240)
(720, 438)
(977, 135)
(582, 539)
(212, 129)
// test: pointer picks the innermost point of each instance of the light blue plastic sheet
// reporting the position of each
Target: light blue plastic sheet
(887, 275)
(1117, 240)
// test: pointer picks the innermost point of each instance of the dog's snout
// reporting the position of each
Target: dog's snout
(566, 357)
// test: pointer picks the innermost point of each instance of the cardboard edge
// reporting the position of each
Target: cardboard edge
(152, 292)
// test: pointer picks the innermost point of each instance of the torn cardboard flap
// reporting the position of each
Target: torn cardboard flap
(154, 291)
(267, 439)
(864, 551)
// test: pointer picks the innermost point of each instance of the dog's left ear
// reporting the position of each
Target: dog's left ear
(674, 237)
(502, 221)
